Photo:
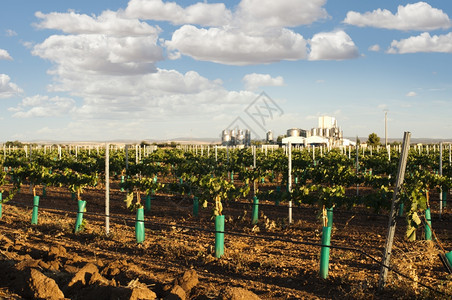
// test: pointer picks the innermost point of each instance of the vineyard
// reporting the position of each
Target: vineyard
(201, 222)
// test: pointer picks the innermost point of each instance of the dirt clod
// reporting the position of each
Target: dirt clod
(237, 293)
(188, 280)
(43, 287)
(84, 275)
(176, 293)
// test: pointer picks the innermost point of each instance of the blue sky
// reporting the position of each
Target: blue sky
(153, 69)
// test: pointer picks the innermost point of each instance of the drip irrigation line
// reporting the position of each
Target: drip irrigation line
(313, 208)
(269, 238)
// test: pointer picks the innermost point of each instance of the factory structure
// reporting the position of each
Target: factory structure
(236, 137)
(326, 133)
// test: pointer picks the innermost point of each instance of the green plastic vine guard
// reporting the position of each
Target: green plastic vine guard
(219, 236)
(325, 252)
(73, 196)
(255, 212)
(1, 202)
(329, 215)
(232, 176)
(139, 226)
(445, 191)
(34, 215)
(449, 258)
(428, 229)
(195, 206)
(122, 181)
(44, 191)
(147, 203)
(81, 209)
(401, 209)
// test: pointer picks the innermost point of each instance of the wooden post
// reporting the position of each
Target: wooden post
(289, 180)
(107, 189)
(440, 174)
(393, 214)
(127, 157)
(357, 164)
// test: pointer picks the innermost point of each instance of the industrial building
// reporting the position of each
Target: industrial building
(327, 133)
(236, 137)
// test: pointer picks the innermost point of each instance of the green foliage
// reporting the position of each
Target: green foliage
(186, 173)
(373, 140)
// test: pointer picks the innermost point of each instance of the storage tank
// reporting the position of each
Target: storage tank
(240, 137)
(313, 132)
(269, 136)
(293, 132)
(226, 137)
(247, 137)
(303, 133)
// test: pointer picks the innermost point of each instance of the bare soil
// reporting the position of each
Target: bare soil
(259, 261)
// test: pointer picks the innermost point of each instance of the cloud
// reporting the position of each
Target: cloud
(423, 43)
(108, 23)
(100, 54)
(236, 47)
(375, 48)
(417, 16)
(10, 32)
(107, 44)
(7, 88)
(200, 13)
(256, 32)
(411, 94)
(249, 13)
(115, 74)
(43, 106)
(270, 13)
(254, 81)
(5, 55)
(336, 45)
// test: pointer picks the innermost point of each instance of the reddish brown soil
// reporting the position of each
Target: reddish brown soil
(270, 267)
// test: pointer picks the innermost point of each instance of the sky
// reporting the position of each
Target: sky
(82, 70)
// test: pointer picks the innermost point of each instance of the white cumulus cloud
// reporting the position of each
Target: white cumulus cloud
(100, 54)
(270, 13)
(43, 106)
(10, 32)
(7, 88)
(411, 94)
(336, 45)
(235, 47)
(109, 23)
(374, 48)
(423, 43)
(5, 55)
(215, 14)
(417, 16)
(254, 81)
(254, 32)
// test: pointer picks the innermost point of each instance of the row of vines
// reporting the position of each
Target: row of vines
(327, 178)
